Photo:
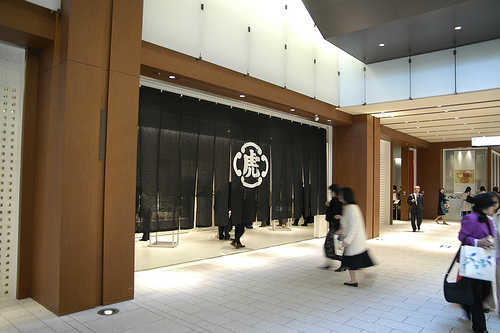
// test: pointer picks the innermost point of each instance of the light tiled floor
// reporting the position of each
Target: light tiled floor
(282, 289)
(197, 245)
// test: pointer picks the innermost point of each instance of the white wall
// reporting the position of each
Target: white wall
(12, 66)
(385, 182)
(309, 64)
(219, 34)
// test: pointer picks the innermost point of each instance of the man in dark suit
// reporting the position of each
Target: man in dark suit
(416, 199)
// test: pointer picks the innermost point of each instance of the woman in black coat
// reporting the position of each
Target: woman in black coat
(441, 207)
(334, 208)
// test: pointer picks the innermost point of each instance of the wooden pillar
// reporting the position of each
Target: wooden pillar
(405, 181)
(82, 256)
(356, 163)
(121, 151)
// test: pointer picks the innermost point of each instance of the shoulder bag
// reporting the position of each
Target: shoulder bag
(410, 206)
(459, 292)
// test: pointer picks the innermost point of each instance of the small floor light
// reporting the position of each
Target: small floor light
(108, 312)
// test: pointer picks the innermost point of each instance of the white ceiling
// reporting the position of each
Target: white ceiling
(440, 119)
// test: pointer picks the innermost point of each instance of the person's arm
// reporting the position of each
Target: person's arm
(353, 225)
(422, 196)
(410, 198)
(467, 230)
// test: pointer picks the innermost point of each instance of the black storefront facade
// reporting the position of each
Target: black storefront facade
(198, 159)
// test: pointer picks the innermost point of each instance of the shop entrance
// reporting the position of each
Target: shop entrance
(204, 166)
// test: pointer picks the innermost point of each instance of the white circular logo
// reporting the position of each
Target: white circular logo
(251, 165)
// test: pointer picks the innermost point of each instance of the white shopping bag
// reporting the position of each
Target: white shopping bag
(339, 250)
(477, 263)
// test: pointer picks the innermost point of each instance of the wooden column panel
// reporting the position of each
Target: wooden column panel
(405, 181)
(375, 232)
(121, 151)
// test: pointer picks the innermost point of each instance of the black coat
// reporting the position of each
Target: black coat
(418, 204)
(335, 208)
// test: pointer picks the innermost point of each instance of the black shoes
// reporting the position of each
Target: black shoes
(355, 284)
(341, 269)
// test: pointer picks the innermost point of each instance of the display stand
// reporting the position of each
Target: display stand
(171, 244)
(288, 225)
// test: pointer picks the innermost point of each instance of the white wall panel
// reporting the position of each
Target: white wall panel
(50, 4)
(12, 65)
(225, 33)
(385, 182)
(267, 41)
(478, 66)
(326, 83)
(300, 48)
(351, 80)
(433, 74)
(388, 81)
(173, 24)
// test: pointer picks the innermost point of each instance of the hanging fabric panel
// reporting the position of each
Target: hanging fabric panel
(322, 171)
(306, 160)
(169, 179)
(263, 205)
(286, 167)
(222, 164)
(279, 211)
(189, 158)
(298, 189)
(206, 148)
(237, 140)
(313, 144)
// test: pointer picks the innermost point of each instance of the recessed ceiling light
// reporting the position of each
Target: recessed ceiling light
(406, 122)
(465, 123)
(171, 77)
(444, 138)
(292, 110)
(329, 120)
(439, 106)
(458, 27)
(428, 131)
(242, 96)
(157, 73)
(478, 132)
(381, 44)
(446, 110)
(418, 126)
(392, 116)
(457, 117)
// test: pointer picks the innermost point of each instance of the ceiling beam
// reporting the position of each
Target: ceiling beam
(401, 139)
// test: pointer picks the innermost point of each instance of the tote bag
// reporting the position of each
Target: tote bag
(459, 292)
(477, 263)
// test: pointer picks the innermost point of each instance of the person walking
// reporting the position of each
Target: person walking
(495, 218)
(416, 200)
(476, 229)
(333, 210)
(352, 227)
(466, 207)
(442, 211)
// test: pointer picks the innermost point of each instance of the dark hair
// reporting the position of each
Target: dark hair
(482, 201)
(482, 188)
(334, 188)
(394, 187)
(348, 195)
(441, 188)
(495, 189)
(468, 189)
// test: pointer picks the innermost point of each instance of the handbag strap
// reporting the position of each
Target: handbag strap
(456, 257)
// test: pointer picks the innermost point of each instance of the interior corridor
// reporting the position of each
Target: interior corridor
(282, 289)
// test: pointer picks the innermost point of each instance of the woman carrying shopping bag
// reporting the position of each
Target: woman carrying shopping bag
(477, 230)
(334, 208)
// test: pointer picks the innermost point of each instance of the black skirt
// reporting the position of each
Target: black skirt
(357, 261)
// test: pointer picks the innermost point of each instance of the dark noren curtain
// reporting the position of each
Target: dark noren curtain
(205, 179)
(184, 165)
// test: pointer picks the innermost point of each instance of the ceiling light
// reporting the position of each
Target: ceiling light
(406, 122)
(316, 117)
(157, 73)
(465, 123)
(171, 77)
(444, 138)
(329, 120)
(381, 44)
(383, 115)
(439, 106)
(418, 126)
(293, 110)
(428, 131)
(457, 117)
(446, 110)
(458, 27)
(242, 96)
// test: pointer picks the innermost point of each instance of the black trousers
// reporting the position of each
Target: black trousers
(239, 230)
(481, 290)
(416, 214)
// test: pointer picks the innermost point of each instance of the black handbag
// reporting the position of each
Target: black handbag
(469, 199)
(459, 292)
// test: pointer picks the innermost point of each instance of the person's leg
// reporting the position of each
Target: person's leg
(296, 221)
(419, 219)
(413, 226)
(477, 311)
(239, 230)
(227, 230)
(444, 220)
(221, 233)
(498, 291)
